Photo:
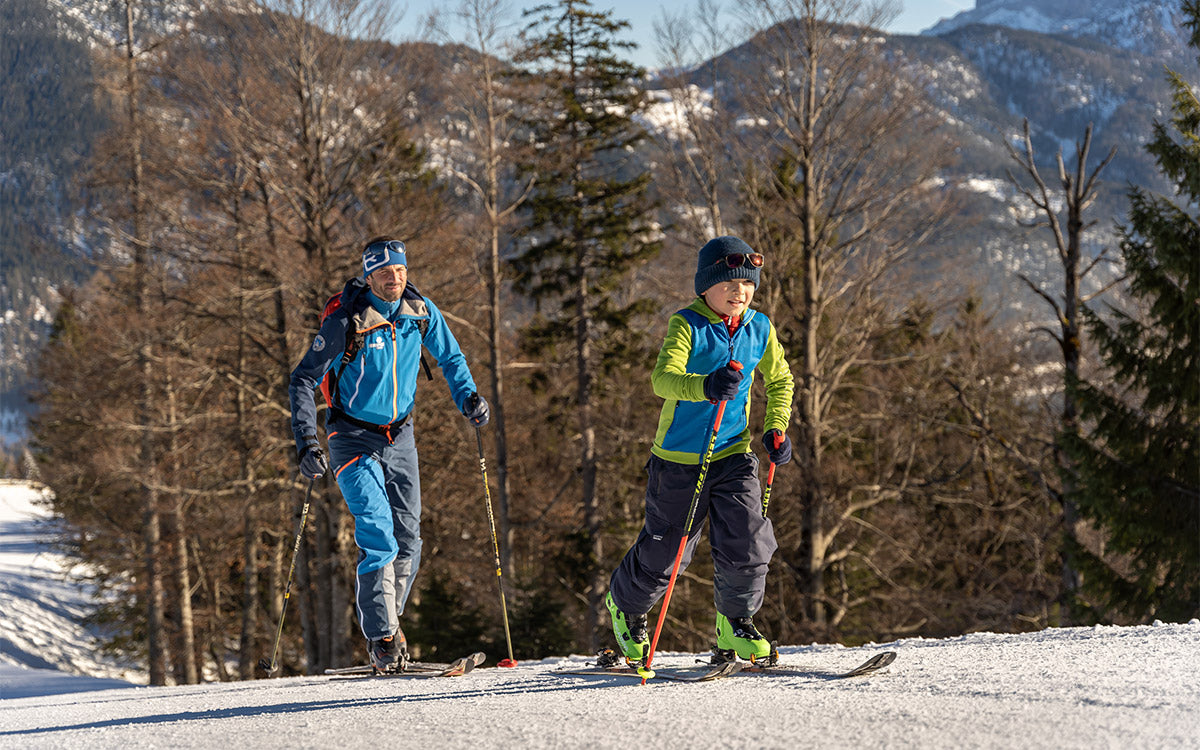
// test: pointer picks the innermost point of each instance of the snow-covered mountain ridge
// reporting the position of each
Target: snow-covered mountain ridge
(1149, 27)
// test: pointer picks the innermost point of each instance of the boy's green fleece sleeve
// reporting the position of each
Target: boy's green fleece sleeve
(777, 377)
(670, 378)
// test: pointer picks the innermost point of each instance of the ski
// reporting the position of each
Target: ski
(456, 668)
(608, 663)
(673, 674)
(874, 664)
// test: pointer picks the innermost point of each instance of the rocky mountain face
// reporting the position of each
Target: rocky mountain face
(1147, 27)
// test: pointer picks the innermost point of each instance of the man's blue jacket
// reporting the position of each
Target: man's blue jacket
(379, 384)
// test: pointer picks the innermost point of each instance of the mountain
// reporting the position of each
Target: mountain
(1060, 63)
(48, 121)
(986, 80)
(1061, 687)
(1147, 27)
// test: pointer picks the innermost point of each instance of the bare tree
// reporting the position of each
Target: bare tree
(1064, 215)
(842, 194)
(701, 161)
(482, 99)
(133, 228)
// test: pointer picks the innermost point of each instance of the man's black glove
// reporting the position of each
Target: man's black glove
(722, 383)
(312, 459)
(778, 445)
(476, 410)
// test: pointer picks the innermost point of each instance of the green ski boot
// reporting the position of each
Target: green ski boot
(630, 630)
(739, 634)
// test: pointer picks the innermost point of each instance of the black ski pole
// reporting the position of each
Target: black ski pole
(270, 666)
(487, 498)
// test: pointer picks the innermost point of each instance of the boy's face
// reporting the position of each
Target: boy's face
(730, 298)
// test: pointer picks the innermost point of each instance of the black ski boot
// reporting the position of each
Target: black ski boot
(389, 654)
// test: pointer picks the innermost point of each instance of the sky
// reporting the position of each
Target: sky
(916, 16)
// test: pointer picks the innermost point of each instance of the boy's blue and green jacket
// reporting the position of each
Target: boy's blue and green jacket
(698, 342)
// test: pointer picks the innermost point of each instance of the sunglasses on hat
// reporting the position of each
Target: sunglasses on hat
(737, 260)
(380, 254)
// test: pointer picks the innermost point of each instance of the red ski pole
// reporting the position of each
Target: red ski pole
(770, 476)
(645, 671)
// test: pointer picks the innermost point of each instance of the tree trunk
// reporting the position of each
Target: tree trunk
(812, 503)
(495, 351)
(186, 670)
(593, 518)
(250, 532)
(151, 524)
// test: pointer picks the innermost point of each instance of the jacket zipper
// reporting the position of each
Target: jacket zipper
(395, 377)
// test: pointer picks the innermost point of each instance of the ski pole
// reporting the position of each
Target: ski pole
(770, 477)
(270, 666)
(487, 499)
(645, 671)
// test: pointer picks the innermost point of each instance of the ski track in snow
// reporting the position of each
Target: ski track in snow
(1096, 687)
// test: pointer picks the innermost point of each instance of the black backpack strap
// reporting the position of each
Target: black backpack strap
(422, 327)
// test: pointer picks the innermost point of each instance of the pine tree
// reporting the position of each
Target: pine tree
(1139, 465)
(589, 224)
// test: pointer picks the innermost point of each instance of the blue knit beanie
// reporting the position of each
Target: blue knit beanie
(382, 252)
(709, 269)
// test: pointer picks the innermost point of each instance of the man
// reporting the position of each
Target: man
(370, 347)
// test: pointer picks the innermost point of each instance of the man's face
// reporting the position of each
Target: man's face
(730, 298)
(388, 282)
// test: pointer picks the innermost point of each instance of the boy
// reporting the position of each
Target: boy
(694, 372)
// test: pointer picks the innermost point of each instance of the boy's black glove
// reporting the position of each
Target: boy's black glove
(476, 410)
(780, 451)
(722, 383)
(312, 459)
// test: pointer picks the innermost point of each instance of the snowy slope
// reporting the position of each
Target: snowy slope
(1062, 688)
(40, 602)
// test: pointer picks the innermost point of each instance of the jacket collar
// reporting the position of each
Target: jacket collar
(357, 303)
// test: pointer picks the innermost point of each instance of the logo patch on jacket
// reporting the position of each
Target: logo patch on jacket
(318, 343)
(376, 343)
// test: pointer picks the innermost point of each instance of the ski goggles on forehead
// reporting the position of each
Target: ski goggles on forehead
(737, 260)
(381, 254)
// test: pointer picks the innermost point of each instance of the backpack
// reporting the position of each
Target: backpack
(354, 342)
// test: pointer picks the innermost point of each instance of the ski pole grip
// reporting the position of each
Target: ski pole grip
(735, 364)
(778, 439)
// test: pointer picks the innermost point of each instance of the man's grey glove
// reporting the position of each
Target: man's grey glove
(312, 460)
(476, 410)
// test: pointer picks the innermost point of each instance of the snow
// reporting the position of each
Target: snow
(1059, 688)
(42, 598)
(667, 115)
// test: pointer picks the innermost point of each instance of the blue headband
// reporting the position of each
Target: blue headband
(381, 254)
